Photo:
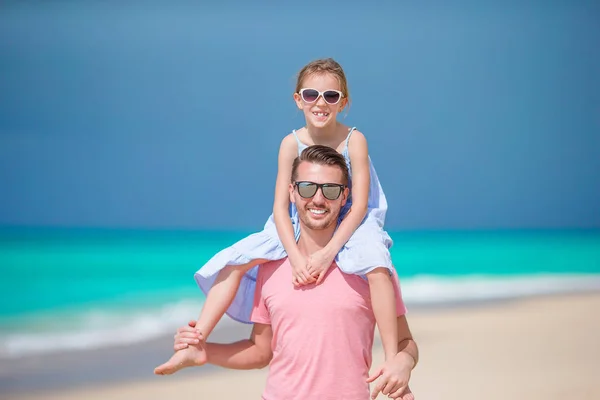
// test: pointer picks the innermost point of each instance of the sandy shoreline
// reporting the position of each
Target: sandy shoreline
(536, 348)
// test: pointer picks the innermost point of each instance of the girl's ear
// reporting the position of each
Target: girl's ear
(343, 104)
(346, 106)
(298, 100)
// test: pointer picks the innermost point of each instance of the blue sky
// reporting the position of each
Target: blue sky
(478, 115)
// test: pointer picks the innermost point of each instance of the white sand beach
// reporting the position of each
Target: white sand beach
(532, 349)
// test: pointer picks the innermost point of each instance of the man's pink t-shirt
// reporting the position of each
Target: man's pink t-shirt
(322, 335)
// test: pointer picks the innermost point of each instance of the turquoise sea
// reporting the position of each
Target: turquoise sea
(69, 289)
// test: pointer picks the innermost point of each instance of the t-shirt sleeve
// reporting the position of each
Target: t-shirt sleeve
(260, 313)
(400, 307)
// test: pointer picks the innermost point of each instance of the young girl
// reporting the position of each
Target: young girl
(359, 246)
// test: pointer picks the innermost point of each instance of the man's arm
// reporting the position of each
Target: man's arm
(253, 353)
(394, 376)
(407, 347)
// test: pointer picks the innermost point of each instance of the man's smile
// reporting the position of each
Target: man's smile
(317, 211)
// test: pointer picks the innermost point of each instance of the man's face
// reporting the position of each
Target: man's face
(318, 212)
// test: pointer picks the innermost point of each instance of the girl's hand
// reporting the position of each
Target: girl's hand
(318, 264)
(300, 274)
(394, 376)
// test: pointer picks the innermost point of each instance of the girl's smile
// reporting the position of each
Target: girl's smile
(319, 113)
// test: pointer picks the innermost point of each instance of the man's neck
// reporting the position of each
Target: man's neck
(312, 241)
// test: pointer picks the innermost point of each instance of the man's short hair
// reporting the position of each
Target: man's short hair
(321, 155)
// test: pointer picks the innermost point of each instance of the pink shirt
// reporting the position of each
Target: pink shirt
(322, 335)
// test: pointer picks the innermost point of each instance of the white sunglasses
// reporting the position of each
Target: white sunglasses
(330, 96)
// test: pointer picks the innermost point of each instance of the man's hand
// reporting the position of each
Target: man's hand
(394, 376)
(407, 394)
(190, 351)
(319, 262)
(187, 335)
(300, 274)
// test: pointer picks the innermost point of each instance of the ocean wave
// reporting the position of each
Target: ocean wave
(99, 328)
(435, 290)
(104, 328)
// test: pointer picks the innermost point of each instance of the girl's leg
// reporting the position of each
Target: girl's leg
(221, 295)
(383, 301)
(218, 300)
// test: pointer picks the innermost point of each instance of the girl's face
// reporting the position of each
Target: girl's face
(320, 113)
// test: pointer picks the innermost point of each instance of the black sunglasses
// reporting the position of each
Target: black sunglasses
(331, 191)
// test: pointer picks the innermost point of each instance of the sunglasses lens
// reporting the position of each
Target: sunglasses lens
(310, 95)
(306, 189)
(331, 97)
(331, 192)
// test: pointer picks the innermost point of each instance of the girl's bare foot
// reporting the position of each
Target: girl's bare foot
(192, 356)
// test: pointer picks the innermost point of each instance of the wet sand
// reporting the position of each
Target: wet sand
(536, 348)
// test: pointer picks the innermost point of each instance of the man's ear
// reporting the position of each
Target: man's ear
(345, 198)
(291, 190)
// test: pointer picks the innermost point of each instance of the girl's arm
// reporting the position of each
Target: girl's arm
(288, 151)
(383, 301)
(361, 180)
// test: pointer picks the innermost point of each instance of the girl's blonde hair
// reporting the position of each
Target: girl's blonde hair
(324, 65)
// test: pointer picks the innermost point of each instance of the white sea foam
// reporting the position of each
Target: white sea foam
(436, 290)
(96, 329)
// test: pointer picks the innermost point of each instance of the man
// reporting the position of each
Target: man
(317, 339)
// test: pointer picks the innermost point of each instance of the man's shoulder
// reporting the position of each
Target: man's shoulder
(267, 269)
(273, 264)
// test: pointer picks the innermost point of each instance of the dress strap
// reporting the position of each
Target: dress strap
(348, 137)
(297, 140)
